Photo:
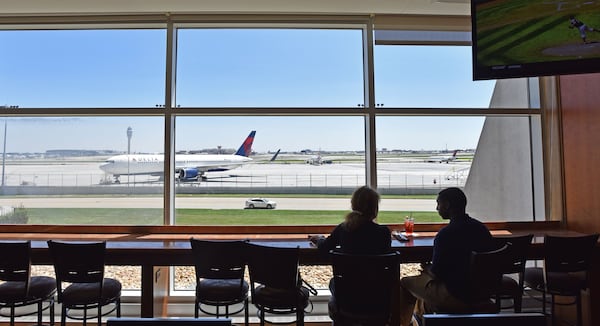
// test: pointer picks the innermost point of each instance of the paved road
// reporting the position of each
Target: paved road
(211, 202)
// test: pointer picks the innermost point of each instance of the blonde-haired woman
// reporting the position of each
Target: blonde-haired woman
(359, 233)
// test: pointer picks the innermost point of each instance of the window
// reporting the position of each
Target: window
(428, 77)
(269, 67)
(83, 68)
(320, 151)
(300, 162)
(93, 125)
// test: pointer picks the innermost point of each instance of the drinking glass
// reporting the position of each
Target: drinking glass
(409, 225)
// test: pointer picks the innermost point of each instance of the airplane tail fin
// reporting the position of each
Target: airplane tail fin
(454, 154)
(275, 156)
(246, 147)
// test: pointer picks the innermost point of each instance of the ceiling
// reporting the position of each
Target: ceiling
(74, 7)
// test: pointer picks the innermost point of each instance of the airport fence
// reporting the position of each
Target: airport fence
(293, 183)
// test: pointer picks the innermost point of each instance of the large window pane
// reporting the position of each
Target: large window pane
(52, 174)
(269, 68)
(320, 162)
(82, 68)
(496, 160)
(428, 76)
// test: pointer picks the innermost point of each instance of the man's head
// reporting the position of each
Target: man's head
(451, 202)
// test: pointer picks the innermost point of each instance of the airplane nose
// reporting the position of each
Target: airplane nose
(106, 167)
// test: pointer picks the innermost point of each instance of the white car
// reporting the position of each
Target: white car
(260, 203)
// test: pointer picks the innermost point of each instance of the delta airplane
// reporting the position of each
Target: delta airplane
(442, 158)
(188, 167)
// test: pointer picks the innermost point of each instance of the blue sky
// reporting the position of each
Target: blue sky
(232, 67)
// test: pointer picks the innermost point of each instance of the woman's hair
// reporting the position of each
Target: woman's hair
(365, 206)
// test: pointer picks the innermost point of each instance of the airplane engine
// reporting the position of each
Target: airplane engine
(187, 174)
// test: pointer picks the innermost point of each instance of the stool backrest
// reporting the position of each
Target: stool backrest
(15, 261)
(78, 262)
(516, 252)
(568, 254)
(273, 267)
(219, 259)
(486, 273)
(365, 283)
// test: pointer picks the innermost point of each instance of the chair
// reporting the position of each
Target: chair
(516, 259)
(503, 319)
(275, 283)
(565, 271)
(220, 267)
(485, 275)
(363, 287)
(19, 288)
(82, 265)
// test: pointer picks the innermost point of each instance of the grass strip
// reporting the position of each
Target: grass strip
(153, 216)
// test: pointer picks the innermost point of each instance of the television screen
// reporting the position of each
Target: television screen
(525, 38)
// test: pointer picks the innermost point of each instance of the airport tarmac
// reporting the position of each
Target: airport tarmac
(63, 173)
(57, 175)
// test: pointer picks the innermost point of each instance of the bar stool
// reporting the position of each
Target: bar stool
(275, 283)
(515, 264)
(486, 280)
(82, 265)
(20, 289)
(220, 267)
(363, 287)
(565, 272)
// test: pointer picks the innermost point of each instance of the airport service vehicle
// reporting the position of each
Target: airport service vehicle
(260, 203)
(188, 167)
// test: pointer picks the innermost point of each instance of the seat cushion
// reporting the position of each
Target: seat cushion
(280, 298)
(558, 283)
(352, 316)
(40, 287)
(87, 293)
(566, 283)
(510, 287)
(534, 278)
(221, 291)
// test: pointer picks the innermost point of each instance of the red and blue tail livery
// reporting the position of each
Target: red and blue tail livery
(246, 148)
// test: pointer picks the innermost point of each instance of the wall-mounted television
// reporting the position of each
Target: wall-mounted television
(525, 38)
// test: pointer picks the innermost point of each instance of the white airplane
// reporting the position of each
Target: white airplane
(317, 160)
(447, 158)
(188, 167)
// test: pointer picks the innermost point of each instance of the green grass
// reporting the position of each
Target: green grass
(148, 216)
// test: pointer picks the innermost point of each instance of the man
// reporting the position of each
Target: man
(443, 284)
(583, 28)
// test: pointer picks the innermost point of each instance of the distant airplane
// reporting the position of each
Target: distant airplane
(442, 158)
(315, 160)
(188, 167)
(318, 160)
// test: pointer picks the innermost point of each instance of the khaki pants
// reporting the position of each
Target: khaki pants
(424, 294)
